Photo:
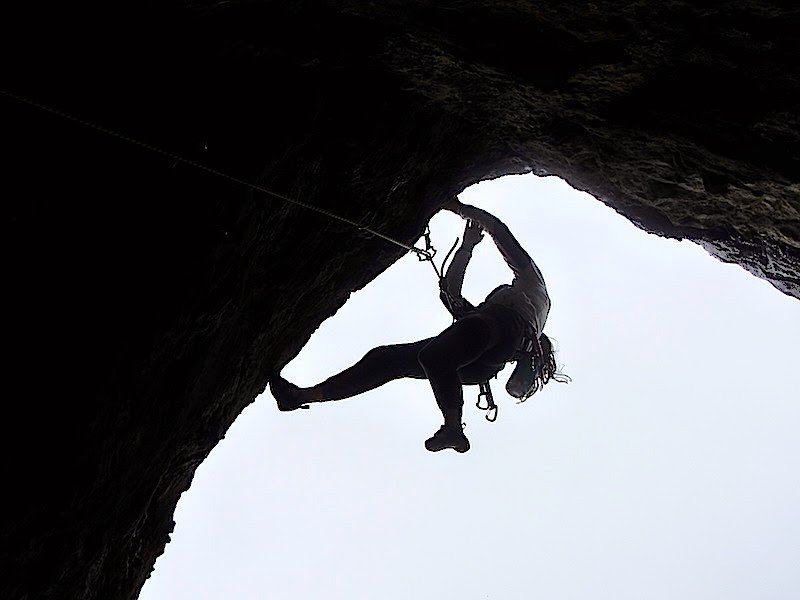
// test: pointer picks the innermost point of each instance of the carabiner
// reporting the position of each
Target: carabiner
(491, 407)
(430, 251)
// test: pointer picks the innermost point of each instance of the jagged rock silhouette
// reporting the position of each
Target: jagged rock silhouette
(147, 302)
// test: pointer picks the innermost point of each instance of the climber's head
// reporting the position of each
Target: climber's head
(534, 369)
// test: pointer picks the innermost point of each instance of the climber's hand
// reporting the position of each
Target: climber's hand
(473, 234)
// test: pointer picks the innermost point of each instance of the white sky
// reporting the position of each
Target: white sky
(667, 468)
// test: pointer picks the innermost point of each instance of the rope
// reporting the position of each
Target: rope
(424, 255)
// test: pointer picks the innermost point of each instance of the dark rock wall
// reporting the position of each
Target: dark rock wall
(148, 300)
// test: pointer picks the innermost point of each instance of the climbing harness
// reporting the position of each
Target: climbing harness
(457, 307)
(423, 255)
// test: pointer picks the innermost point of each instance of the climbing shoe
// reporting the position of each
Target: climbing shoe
(286, 394)
(448, 437)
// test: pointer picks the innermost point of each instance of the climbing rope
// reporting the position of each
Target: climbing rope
(423, 255)
(430, 252)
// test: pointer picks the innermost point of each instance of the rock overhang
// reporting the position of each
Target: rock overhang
(151, 301)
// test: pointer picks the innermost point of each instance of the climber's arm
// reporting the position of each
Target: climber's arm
(513, 253)
(453, 280)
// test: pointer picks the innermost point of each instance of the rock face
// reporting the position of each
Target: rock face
(149, 300)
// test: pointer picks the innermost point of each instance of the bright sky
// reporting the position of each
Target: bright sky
(666, 469)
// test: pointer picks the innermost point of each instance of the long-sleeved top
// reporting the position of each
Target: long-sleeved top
(527, 293)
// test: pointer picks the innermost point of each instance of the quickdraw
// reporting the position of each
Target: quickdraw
(430, 251)
(485, 391)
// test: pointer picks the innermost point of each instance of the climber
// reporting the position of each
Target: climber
(505, 327)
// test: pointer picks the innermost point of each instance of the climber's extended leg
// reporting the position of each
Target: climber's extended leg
(379, 366)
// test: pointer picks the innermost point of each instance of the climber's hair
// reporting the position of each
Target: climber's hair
(543, 362)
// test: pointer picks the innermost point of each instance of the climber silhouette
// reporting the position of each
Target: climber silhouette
(505, 327)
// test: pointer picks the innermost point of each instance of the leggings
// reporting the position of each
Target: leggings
(470, 351)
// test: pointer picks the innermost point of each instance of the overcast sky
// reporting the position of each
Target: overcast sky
(667, 469)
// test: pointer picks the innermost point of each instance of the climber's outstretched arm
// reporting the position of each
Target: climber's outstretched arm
(454, 277)
(513, 253)
(451, 284)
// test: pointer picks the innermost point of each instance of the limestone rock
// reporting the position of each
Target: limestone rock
(148, 300)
